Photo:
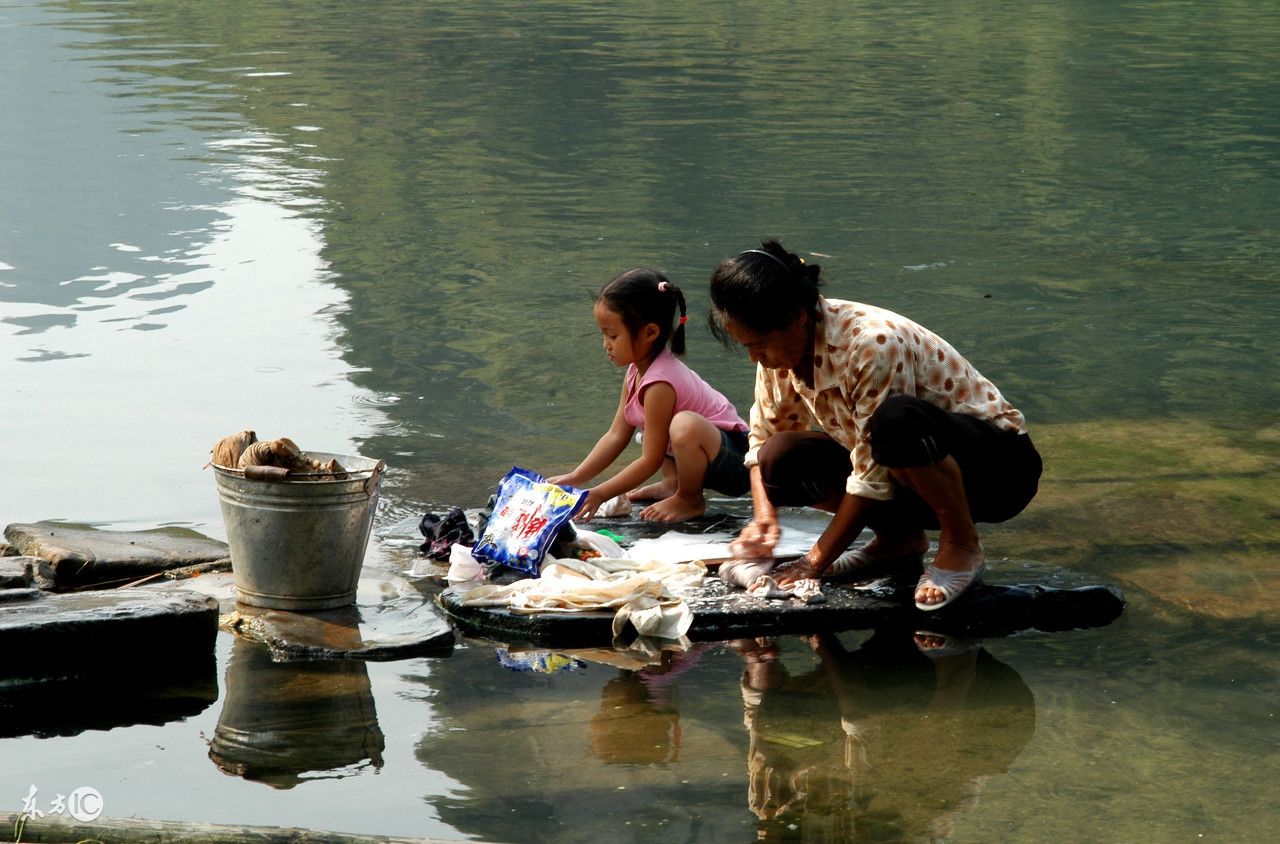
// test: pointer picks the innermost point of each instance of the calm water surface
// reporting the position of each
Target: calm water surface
(372, 227)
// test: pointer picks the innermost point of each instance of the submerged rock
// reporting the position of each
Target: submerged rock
(81, 555)
(391, 620)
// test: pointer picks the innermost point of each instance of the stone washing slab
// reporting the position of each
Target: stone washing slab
(60, 635)
(719, 613)
(81, 554)
(391, 620)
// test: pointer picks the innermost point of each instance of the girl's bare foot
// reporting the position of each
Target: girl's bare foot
(653, 492)
(674, 508)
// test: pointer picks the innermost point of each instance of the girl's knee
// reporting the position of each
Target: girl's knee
(687, 426)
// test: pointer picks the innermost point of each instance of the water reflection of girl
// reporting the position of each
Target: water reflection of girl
(900, 754)
(639, 721)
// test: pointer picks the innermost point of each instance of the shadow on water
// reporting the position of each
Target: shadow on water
(284, 723)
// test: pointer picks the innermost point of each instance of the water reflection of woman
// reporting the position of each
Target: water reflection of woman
(887, 742)
(910, 436)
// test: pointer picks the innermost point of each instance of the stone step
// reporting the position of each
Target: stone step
(81, 554)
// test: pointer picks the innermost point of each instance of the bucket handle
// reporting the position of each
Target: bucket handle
(375, 474)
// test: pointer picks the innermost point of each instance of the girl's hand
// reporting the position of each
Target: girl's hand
(758, 538)
(562, 480)
(590, 506)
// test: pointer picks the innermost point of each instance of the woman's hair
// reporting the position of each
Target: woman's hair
(642, 296)
(762, 289)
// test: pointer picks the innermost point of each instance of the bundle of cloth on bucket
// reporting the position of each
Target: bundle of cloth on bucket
(243, 450)
(526, 556)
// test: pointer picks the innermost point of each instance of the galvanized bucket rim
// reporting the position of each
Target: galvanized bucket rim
(295, 477)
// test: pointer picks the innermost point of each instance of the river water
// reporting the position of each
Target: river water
(372, 227)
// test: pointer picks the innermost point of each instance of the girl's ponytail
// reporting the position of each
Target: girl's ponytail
(677, 336)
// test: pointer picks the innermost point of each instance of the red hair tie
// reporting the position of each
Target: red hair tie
(683, 320)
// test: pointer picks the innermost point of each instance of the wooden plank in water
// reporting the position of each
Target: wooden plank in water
(59, 829)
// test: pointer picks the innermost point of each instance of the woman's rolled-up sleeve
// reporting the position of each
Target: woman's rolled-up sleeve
(776, 408)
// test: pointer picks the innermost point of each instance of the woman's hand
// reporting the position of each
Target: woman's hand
(801, 569)
(758, 538)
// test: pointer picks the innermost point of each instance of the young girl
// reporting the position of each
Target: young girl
(690, 431)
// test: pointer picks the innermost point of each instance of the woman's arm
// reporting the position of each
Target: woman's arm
(845, 525)
(606, 450)
(761, 534)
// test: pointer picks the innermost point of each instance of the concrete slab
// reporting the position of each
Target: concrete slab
(81, 554)
(60, 635)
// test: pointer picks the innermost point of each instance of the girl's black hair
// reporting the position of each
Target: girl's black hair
(762, 290)
(642, 296)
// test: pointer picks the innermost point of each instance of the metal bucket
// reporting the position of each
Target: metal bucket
(299, 544)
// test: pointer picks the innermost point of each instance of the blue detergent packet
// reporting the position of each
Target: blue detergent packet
(527, 514)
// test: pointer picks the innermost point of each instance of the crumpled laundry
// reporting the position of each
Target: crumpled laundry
(646, 594)
(243, 449)
(755, 576)
(443, 532)
(619, 505)
(226, 451)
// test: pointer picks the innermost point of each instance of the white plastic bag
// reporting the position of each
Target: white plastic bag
(463, 567)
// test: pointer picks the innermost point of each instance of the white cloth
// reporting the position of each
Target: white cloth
(644, 594)
(756, 576)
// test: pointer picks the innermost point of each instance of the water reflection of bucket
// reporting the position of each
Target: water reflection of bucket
(281, 720)
(299, 545)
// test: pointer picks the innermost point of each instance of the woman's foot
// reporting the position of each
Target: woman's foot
(954, 569)
(654, 491)
(674, 508)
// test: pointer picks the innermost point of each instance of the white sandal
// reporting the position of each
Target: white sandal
(848, 563)
(949, 582)
(854, 560)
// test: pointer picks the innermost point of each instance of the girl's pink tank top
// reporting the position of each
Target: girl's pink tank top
(692, 393)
